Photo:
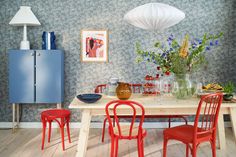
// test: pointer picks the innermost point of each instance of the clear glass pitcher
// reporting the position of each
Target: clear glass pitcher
(111, 86)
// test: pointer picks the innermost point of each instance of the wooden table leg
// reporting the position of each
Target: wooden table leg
(232, 111)
(221, 132)
(83, 134)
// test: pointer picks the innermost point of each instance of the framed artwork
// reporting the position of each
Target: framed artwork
(94, 45)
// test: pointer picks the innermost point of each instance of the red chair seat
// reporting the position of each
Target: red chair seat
(125, 131)
(185, 133)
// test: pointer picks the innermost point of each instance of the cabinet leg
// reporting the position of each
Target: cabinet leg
(13, 117)
(18, 115)
(59, 106)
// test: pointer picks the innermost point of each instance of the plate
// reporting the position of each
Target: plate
(212, 91)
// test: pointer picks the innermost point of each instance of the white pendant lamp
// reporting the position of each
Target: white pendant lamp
(154, 16)
(24, 17)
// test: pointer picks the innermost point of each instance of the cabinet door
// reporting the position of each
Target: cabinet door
(49, 76)
(21, 76)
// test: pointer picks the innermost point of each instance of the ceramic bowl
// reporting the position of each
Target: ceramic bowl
(89, 98)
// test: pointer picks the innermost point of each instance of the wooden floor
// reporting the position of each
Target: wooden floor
(27, 143)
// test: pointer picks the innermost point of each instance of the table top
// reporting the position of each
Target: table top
(147, 101)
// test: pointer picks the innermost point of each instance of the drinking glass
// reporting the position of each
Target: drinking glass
(199, 88)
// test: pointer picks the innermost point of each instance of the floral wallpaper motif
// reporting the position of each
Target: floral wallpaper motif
(68, 18)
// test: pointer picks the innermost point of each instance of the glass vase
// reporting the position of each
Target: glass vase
(182, 87)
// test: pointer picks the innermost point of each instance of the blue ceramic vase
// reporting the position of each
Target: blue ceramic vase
(49, 41)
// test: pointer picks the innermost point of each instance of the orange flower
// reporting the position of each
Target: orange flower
(184, 48)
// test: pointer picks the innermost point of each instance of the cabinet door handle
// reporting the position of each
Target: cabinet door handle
(32, 54)
(38, 54)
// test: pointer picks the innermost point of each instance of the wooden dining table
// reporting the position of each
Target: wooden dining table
(154, 105)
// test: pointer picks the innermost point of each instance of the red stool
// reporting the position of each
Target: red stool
(55, 114)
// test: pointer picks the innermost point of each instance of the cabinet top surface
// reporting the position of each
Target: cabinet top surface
(33, 50)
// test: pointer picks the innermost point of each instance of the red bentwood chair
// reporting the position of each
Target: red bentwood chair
(203, 130)
(136, 88)
(131, 131)
(100, 88)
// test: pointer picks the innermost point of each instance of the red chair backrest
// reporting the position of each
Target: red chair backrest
(100, 88)
(207, 114)
(136, 88)
(137, 112)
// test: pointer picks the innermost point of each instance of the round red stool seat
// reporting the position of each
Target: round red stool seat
(62, 117)
(55, 113)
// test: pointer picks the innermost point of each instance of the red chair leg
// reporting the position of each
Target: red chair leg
(139, 149)
(43, 133)
(49, 130)
(117, 146)
(62, 133)
(142, 147)
(194, 151)
(165, 146)
(112, 147)
(169, 120)
(68, 128)
(104, 129)
(187, 150)
(213, 148)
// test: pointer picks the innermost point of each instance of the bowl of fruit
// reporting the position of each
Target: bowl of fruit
(212, 88)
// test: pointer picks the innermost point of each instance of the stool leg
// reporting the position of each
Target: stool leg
(68, 129)
(43, 133)
(49, 131)
(62, 133)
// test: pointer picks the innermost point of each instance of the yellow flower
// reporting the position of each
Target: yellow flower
(184, 48)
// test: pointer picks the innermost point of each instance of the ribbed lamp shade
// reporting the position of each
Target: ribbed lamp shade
(154, 16)
(24, 17)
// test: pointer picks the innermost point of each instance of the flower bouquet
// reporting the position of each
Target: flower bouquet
(180, 59)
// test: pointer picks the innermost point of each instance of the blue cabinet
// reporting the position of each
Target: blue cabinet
(36, 76)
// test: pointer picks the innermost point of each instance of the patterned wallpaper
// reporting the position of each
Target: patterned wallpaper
(68, 17)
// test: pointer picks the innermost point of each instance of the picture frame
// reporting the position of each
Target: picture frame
(94, 45)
